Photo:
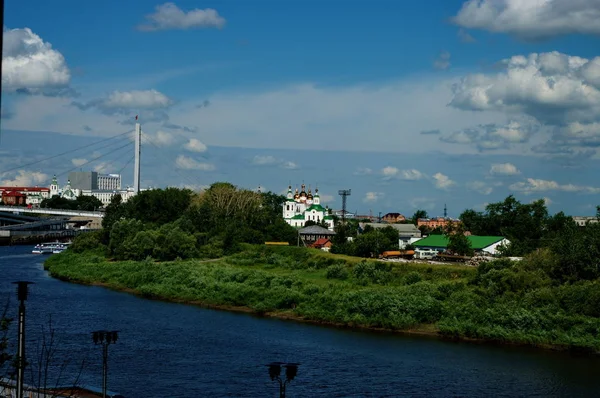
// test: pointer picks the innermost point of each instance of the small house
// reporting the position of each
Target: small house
(486, 244)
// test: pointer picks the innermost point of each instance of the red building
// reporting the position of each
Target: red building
(34, 195)
(393, 217)
(14, 198)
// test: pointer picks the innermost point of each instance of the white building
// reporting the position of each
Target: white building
(109, 182)
(303, 206)
(103, 195)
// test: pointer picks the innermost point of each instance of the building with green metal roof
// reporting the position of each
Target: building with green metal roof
(303, 206)
(488, 244)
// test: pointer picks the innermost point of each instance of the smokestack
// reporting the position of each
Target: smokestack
(136, 167)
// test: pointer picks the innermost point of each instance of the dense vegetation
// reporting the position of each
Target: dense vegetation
(82, 202)
(209, 248)
(519, 302)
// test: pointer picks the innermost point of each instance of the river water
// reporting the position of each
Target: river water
(174, 350)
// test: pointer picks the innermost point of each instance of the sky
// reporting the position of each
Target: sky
(411, 105)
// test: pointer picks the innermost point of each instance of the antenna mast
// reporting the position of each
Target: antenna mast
(344, 193)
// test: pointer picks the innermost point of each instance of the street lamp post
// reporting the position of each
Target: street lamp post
(22, 291)
(105, 338)
(291, 370)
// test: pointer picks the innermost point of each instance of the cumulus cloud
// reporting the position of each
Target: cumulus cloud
(532, 185)
(556, 90)
(78, 162)
(394, 172)
(493, 136)
(480, 186)
(442, 62)
(507, 169)
(422, 203)
(529, 19)
(372, 197)
(441, 181)
(31, 65)
(160, 138)
(268, 160)
(127, 101)
(195, 145)
(289, 165)
(24, 178)
(264, 160)
(187, 163)
(169, 17)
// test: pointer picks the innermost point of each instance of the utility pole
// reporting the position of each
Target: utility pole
(22, 287)
(136, 167)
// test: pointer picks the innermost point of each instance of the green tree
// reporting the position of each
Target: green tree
(115, 211)
(87, 203)
(158, 206)
(458, 242)
(120, 232)
(419, 214)
(57, 202)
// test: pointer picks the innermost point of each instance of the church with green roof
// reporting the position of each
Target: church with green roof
(303, 206)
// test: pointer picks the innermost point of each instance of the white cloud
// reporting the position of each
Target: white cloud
(410, 174)
(78, 162)
(442, 62)
(264, 160)
(530, 19)
(480, 186)
(442, 181)
(390, 171)
(547, 201)
(326, 198)
(493, 136)
(136, 99)
(168, 16)
(507, 169)
(289, 165)
(187, 163)
(372, 197)
(25, 178)
(195, 145)
(532, 185)
(32, 65)
(160, 138)
(551, 87)
(554, 89)
(103, 167)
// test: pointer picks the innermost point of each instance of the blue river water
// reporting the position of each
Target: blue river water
(175, 350)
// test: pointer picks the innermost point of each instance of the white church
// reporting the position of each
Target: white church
(303, 206)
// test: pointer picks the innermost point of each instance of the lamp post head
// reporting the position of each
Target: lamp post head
(22, 289)
(275, 369)
(291, 370)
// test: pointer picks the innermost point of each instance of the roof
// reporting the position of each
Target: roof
(477, 242)
(315, 230)
(321, 242)
(399, 227)
(14, 194)
(31, 189)
(393, 215)
(316, 207)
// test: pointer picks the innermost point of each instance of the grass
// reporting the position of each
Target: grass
(306, 284)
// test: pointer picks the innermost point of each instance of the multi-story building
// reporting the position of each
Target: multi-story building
(109, 182)
(303, 206)
(582, 221)
(34, 195)
(90, 183)
(433, 223)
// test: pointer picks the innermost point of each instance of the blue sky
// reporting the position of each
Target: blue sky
(410, 104)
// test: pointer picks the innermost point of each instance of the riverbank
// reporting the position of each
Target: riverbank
(449, 301)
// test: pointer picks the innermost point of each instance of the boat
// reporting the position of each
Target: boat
(46, 248)
(61, 247)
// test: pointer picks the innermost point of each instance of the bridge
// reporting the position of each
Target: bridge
(56, 212)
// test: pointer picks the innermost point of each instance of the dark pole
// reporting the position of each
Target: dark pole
(22, 297)
(1, 49)
(104, 368)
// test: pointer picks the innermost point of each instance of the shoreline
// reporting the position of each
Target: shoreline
(426, 331)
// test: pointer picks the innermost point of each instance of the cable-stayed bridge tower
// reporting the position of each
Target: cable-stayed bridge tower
(136, 165)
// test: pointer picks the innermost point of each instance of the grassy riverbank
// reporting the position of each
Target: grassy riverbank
(502, 302)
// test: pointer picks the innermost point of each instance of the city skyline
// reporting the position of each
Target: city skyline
(410, 105)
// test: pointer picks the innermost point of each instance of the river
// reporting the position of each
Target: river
(175, 350)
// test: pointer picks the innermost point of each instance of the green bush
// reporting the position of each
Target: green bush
(337, 271)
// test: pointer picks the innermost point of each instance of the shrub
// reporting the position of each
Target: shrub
(412, 278)
(367, 272)
(337, 271)
(88, 241)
